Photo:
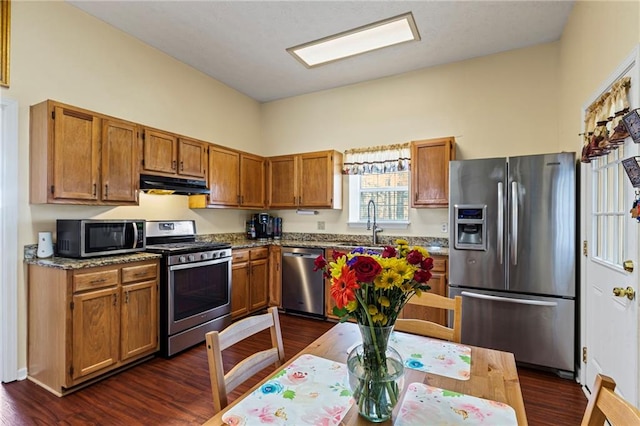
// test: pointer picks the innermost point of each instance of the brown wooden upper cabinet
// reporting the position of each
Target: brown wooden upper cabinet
(80, 157)
(167, 154)
(430, 171)
(236, 179)
(311, 179)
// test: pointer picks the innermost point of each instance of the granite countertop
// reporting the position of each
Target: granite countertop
(71, 263)
(435, 247)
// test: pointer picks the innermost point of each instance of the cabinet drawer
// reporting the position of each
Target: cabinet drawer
(239, 256)
(439, 264)
(139, 273)
(95, 279)
(259, 253)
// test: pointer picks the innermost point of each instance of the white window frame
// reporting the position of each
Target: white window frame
(354, 209)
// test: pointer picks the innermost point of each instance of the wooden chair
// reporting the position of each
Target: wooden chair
(216, 342)
(432, 329)
(605, 404)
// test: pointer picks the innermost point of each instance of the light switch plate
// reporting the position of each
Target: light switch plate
(444, 227)
(321, 224)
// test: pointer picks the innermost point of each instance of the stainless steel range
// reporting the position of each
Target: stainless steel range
(195, 284)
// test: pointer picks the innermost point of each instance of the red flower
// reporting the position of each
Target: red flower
(389, 252)
(319, 263)
(427, 264)
(337, 255)
(422, 276)
(414, 257)
(366, 268)
(343, 288)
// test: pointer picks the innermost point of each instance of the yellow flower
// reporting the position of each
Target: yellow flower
(422, 250)
(404, 269)
(401, 242)
(352, 305)
(373, 310)
(388, 279)
(379, 317)
(336, 267)
(384, 301)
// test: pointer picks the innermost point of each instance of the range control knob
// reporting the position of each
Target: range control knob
(182, 259)
(191, 258)
(215, 255)
(203, 256)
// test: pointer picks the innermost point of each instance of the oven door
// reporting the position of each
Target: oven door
(197, 293)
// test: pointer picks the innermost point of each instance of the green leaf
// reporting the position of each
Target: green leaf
(418, 356)
(466, 358)
(339, 312)
(289, 394)
(450, 393)
(345, 392)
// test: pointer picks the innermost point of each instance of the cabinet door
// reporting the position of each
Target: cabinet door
(120, 174)
(160, 152)
(239, 289)
(96, 329)
(224, 177)
(282, 182)
(192, 158)
(252, 187)
(139, 319)
(76, 155)
(430, 172)
(316, 179)
(275, 276)
(259, 285)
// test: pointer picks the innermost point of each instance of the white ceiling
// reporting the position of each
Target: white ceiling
(242, 43)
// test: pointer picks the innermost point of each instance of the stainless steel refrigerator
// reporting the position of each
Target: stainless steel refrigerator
(512, 255)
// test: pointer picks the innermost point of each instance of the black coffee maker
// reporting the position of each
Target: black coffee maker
(264, 226)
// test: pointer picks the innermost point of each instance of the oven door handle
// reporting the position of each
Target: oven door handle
(199, 264)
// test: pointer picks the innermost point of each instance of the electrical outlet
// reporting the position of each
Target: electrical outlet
(444, 227)
(321, 224)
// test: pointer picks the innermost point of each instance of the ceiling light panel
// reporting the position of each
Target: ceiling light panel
(389, 32)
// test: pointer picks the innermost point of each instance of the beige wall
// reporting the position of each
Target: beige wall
(588, 57)
(504, 104)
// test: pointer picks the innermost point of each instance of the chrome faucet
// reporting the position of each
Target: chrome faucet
(376, 229)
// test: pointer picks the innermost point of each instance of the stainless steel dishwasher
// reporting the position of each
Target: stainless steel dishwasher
(302, 288)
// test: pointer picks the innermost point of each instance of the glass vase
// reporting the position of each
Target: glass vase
(376, 374)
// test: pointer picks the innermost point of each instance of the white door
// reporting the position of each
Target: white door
(610, 321)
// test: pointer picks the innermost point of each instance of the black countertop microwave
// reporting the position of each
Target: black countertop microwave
(92, 237)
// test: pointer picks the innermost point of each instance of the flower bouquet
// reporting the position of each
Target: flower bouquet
(372, 288)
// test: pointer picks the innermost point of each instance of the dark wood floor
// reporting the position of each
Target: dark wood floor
(177, 392)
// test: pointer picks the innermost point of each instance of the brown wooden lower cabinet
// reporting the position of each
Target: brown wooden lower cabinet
(249, 281)
(84, 323)
(275, 276)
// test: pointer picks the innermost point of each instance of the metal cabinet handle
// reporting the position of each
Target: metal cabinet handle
(514, 223)
(500, 223)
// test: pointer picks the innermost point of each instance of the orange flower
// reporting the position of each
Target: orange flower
(344, 286)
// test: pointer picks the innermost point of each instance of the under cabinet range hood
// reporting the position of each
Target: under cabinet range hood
(170, 185)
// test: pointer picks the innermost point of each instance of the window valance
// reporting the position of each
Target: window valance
(603, 126)
(377, 159)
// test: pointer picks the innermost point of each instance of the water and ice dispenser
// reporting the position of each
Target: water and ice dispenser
(470, 227)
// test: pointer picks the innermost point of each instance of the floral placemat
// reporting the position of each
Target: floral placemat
(427, 405)
(309, 391)
(432, 355)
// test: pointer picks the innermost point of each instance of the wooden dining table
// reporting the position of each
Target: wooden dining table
(493, 375)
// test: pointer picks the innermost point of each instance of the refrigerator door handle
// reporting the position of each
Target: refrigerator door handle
(508, 300)
(500, 222)
(514, 223)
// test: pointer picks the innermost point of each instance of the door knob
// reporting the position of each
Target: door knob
(628, 265)
(621, 292)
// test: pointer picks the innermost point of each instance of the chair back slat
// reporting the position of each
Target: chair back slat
(452, 333)
(217, 341)
(606, 404)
